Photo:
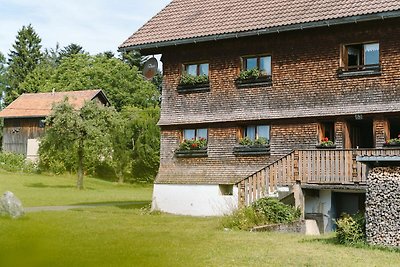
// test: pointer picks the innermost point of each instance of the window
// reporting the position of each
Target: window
(194, 134)
(394, 127)
(256, 132)
(253, 141)
(326, 130)
(226, 189)
(261, 63)
(197, 69)
(42, 123)
(360, 56)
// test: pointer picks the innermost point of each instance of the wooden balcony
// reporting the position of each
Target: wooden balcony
(317, 167)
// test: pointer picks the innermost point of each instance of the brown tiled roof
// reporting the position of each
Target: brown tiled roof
(188, 19)
(40, 104)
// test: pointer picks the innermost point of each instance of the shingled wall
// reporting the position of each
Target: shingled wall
(221, 166)
(305, 90)
(304, 76)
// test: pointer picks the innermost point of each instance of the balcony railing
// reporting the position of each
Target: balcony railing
(331, 166)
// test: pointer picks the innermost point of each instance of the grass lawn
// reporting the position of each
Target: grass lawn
(125, 236)
(47, 190)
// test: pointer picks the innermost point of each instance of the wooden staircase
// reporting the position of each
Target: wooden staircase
(308, 166)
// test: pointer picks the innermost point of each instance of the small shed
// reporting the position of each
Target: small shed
(24, 117)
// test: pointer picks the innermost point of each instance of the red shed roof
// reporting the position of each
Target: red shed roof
(189, 20)
(40, 104)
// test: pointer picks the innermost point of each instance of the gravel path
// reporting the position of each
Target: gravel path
(94, 205)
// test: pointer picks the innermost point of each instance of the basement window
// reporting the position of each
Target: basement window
(226, 189)
(360, 59)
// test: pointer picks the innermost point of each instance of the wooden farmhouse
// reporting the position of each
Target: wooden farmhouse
(273, 98)
(24, 118)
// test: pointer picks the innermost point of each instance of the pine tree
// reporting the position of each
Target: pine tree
(70, 50)
(3, 70)
(23, 59)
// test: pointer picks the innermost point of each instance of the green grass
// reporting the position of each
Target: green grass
(47, 190)
(125, 236)
(112, 236)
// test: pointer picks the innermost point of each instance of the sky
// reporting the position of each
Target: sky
(96, 25)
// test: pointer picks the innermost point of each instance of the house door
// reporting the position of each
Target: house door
(360, 134)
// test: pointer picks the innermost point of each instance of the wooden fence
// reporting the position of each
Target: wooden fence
(322, 166)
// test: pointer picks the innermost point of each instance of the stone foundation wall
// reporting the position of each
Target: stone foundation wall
(383, 206)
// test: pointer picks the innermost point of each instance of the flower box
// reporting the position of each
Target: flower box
(249, 82)
(361, 70)
(193, 88)
(194, 153)
(251, 150)
(391, 144)
(325, 146)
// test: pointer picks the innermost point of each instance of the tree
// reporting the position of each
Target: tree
(145, 138)
(70, 50)
(52, 55)
(23, 59)
(77, 138)
(3, 70)
(124, 86)
(133, 58)
(39, 77)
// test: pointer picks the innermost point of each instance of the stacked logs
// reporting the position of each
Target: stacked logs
(383, 206)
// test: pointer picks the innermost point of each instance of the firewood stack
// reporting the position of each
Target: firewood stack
(383, 206)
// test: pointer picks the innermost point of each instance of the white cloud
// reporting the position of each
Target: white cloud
(97, 25)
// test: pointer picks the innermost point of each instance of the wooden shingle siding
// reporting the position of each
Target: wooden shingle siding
(304, 77)
(305, 90)
(222, 166)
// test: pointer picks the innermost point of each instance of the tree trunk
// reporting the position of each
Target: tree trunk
(79, 182)
(120, 177)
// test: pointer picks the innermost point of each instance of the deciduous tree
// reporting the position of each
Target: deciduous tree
(77, 137)
(123, 85)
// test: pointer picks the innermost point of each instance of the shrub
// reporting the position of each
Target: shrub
(351, 229)
(275, 211)
(261, 212)
(326, 142)
(193, 144)
(15, 162)
(187, 79)
(246, 141)
(249, 74)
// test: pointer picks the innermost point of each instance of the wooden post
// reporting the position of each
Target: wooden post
(241, 189)
(296, 165)
(354, 165)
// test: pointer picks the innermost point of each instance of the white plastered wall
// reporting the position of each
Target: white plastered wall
(195, 200)
(321, 204)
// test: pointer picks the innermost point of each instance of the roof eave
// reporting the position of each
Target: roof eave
(24, 117)
(291, 27)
